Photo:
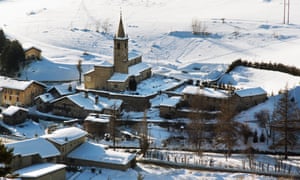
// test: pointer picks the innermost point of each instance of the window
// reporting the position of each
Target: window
(125, 45)
(118, 46)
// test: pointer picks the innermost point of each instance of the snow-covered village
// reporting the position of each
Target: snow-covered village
(149, 89)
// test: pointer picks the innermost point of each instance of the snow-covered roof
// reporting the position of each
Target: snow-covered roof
(171, 102)
(104, 64)
(88, 103)
(97, 153)
(34, 146)
(6, 82)
(250, 92)
(38, 170)
(136, 69)
(118, 77)
(12, 110)
(101, 118)
(47, 97)
(63, 89)
(209, 92)
(63, 136)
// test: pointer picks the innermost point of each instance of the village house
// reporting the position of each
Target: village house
(249, 97)
(210, 98)
(32, 151)
(43, 102)
(62, 90)
(99, 156)
(14, 115)
(97, 124)
(79, 105)
(42, 171)
(117, 77)
(20, 93)
(66, 140)
(168, 107)
(33, 53)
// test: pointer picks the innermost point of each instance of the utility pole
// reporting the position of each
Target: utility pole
(286, 11)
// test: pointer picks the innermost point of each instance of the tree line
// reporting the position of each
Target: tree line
(293, 70)
(12, 55)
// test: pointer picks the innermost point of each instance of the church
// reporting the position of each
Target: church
(117, 77)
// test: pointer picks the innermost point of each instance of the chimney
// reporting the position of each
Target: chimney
(70, 88)
(96, 99)
(86, 94)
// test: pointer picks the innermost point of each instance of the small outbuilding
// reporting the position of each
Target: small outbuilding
(97, 124)
(33, 53)
(14, 115)
(98, 156)
(43, 171)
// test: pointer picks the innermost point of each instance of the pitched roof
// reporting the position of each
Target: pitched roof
(209, 92)
(34, 146)
(171, 102)
(6, 82)
(88, 102)
(250, 92)
(38, 170)
(47, 97)
(97, 153)
(12, 110)
(63, 136)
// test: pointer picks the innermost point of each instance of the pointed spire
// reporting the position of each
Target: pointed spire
(120, 32)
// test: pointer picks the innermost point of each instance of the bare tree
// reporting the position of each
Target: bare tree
(198, 27)
(112, 126)
(79, 68)
(286, 121)
(226, 129)
(106, 25)
(144, 140)
(196, 128)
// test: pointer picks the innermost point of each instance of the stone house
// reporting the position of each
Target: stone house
(62, 90)
(168, 108)
(32, 151)
(14, 115)
(66, 140)
(33, 53)
(116, 77)
(208, 99)
(43, 102)
(42, 171)
(79, 105)
(21, 93)
(99, 156)
(97, 124)
(249, 97)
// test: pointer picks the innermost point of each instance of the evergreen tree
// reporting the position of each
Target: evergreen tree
(6, 156)
(2, 40)
(11, 57)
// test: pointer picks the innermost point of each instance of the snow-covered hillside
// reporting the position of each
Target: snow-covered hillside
(160, 30)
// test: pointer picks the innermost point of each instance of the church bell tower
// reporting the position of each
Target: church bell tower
(121, 49)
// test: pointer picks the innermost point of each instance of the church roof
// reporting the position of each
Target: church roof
(121, 31)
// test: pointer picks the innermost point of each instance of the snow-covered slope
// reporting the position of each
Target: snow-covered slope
(160, 30)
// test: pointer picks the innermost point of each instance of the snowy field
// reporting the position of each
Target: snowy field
(160, 30)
